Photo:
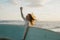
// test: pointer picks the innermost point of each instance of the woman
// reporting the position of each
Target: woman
(29, 21)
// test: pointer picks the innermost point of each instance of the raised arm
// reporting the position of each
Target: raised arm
(21, 8)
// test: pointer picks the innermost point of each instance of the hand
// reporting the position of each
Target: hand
(21, 8)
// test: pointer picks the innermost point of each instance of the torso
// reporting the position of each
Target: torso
(26, 22)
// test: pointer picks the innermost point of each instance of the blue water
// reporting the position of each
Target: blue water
(15, 32)
(42, 34)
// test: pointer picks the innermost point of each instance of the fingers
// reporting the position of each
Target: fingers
(21, 8)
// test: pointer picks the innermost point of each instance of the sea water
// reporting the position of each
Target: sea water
(40, 31)
(50, 25)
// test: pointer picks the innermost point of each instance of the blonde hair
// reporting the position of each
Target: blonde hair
(31, 19)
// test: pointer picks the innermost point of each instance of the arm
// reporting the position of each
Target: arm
(22, 13)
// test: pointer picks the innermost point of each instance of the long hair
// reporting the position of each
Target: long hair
(30, 19)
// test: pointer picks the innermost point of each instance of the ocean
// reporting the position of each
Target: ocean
(43, 30)
(50, 25)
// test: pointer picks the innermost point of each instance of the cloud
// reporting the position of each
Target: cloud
(1, 6)
(13, 2)
(31, 3)
(34, 3)
(9, 1)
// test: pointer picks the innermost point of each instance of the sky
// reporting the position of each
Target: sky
(44, 10)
